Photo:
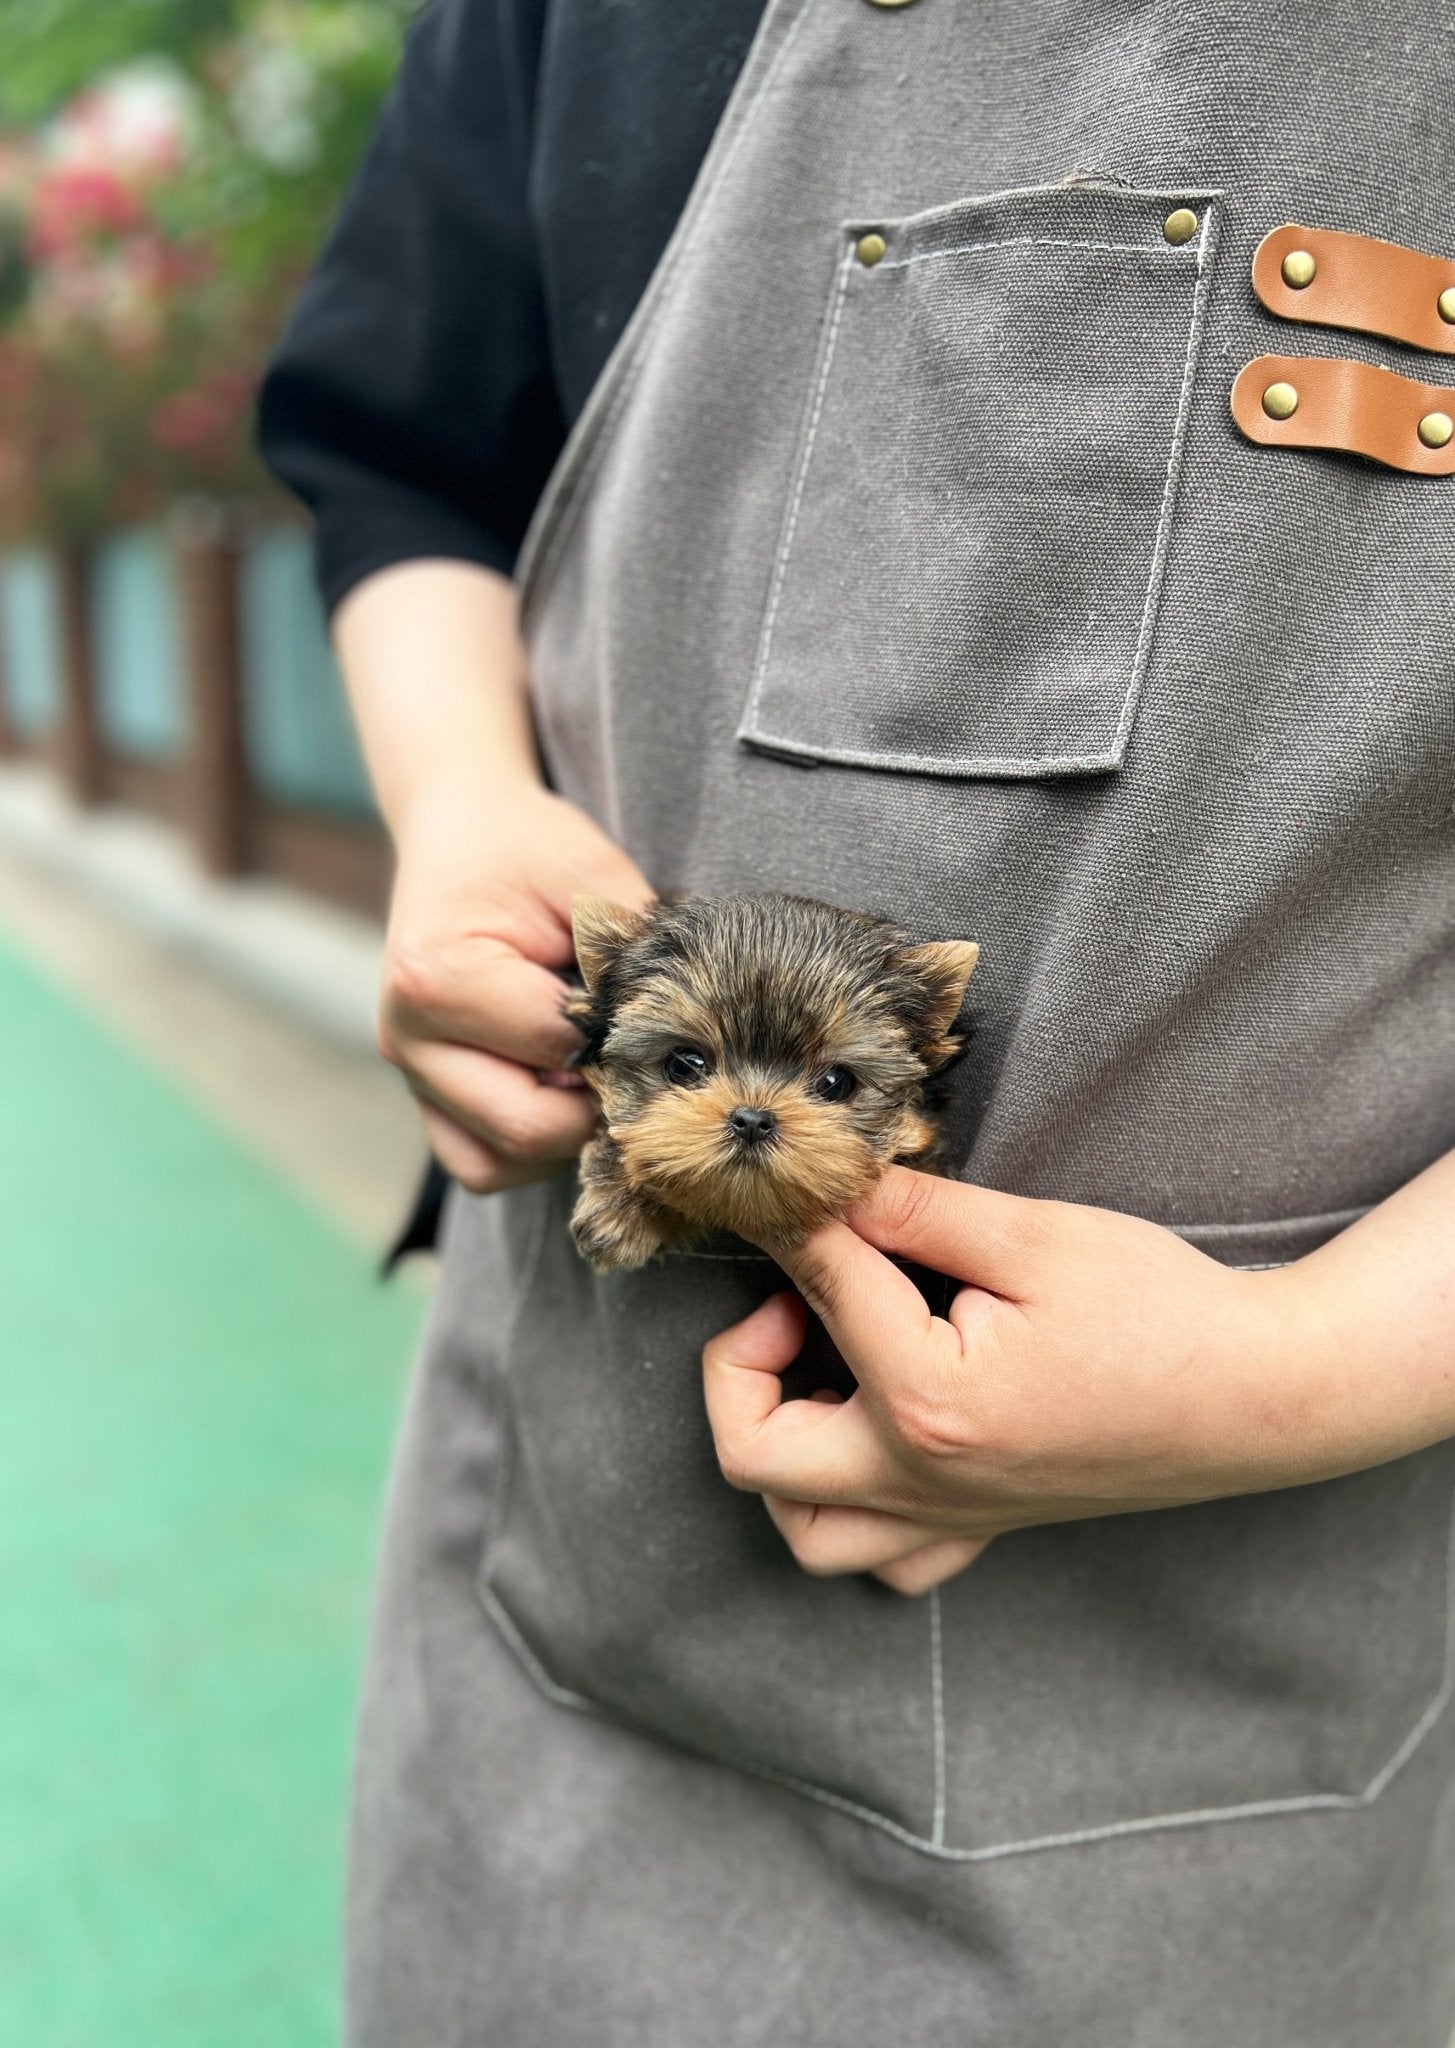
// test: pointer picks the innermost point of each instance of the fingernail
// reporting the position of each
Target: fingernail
(561, 1077)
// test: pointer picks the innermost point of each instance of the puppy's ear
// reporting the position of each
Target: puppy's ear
(943, 972)
(601, 929)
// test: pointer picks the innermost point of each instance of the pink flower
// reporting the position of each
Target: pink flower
(74, 205)
(204, 419)
(186, 422)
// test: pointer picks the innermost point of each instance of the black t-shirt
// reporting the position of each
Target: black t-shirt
(519, 189)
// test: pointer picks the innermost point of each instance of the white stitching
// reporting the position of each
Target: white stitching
(504, 1481)
(1331, 1220)
(1164, 252)
(937, 1698)
(983, 201)
(785, 545)
(1258, 1809)
(934, 764)
(561, 1694)
(1002, 765)
(1207, 241)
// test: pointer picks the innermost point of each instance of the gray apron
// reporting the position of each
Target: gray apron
(944, 586)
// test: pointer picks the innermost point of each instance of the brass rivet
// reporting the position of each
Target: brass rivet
(869, 249)
(1181, 225)
(1446, 304)
(1299, 269)
(1280, 401)
(1436, 429)
(891, 3)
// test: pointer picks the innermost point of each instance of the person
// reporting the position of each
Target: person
(861, 372)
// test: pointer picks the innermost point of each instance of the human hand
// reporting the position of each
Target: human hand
(1092, 1364)
(479, 927)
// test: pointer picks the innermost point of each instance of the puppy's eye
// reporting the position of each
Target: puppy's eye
(837, 1085)
(686, 1067)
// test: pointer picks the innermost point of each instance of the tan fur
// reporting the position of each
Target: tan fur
(679, 1153)
(685, 1012)
(916, 1137)
(770, 995)
(599, 930)
(948, 964)
(612, 1231)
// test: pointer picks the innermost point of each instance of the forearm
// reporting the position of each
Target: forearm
(489, 862)
(1378, 1306)
(437, 678)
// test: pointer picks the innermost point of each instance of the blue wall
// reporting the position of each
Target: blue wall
(30, 657)
(301, 746)
(139, 676)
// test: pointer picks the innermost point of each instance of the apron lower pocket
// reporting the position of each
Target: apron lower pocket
(1281, 1652)
(971, 557)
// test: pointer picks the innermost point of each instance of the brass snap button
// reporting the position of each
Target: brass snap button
(1446, 304)
(869, 249)
(1299, 269)
(1280, 401)
(1180, 225)
(1436, 428)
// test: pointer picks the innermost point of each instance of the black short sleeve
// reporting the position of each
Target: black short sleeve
(411, 402)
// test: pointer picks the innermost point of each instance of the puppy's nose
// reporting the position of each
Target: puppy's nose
(752, 1126)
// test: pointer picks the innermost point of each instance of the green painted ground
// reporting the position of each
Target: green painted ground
(197, 1383)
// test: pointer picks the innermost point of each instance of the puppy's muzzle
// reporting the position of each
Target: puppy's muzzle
(752, 1127)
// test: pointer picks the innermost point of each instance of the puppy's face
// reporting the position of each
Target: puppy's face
(759, 1061)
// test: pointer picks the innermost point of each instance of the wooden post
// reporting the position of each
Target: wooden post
(76, 742)
(213, 793)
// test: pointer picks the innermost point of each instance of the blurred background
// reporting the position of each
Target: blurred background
(200, 1155)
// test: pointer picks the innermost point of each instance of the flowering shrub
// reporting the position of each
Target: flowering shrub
(152, 233)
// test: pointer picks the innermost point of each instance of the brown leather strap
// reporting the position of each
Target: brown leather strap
(1353, 407)
(1357, 282)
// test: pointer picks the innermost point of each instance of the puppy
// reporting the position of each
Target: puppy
(759, 1061)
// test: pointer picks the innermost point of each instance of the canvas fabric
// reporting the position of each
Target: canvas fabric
(946, 587)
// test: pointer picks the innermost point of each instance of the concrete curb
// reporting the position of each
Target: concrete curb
(317, 963)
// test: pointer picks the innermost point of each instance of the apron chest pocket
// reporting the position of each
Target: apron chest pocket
(969, 567)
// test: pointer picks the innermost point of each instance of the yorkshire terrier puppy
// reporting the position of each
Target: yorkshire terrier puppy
(759, 1061)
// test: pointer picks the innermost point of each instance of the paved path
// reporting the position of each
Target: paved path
(198, 1378)
(324, 1112)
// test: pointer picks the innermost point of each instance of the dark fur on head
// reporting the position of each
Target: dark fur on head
(759, 1061)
